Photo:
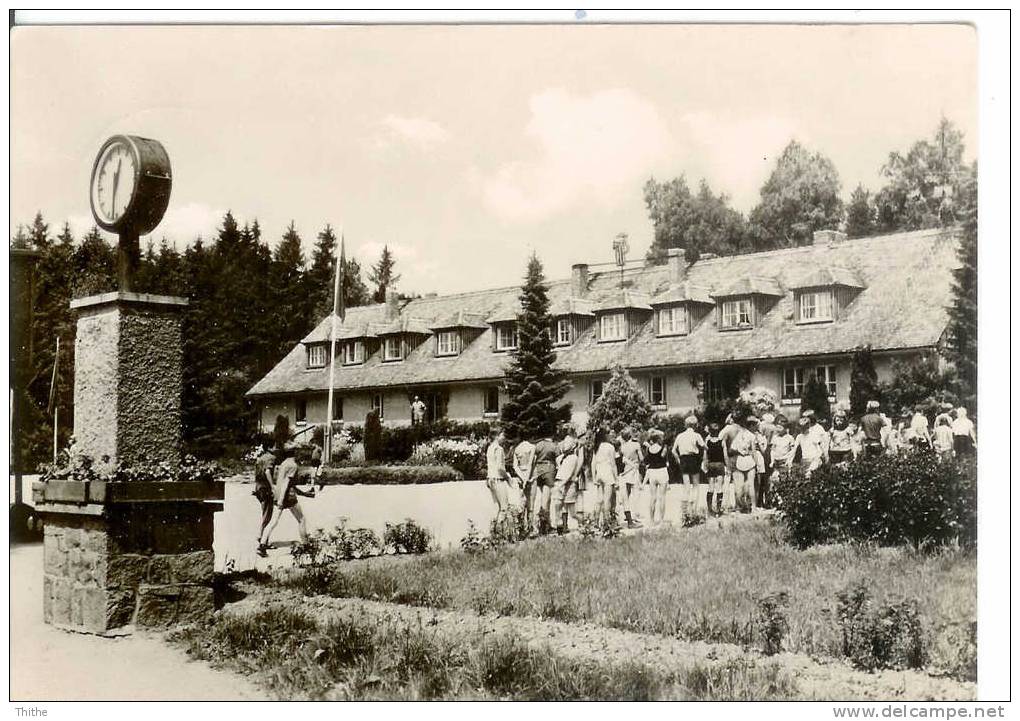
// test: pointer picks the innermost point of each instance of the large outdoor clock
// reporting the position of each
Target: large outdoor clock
(130, 186)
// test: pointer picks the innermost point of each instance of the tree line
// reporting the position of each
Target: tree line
(249, 306)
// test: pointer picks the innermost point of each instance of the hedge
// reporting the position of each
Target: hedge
(388, 475)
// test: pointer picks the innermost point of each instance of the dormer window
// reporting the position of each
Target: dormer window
(447, 343)
(736, 313)
(672, 320)
(317, 356)
(392, 350)
(563, 331)
(506, 336)
(613, 326)
(353, 352)
(815, 306)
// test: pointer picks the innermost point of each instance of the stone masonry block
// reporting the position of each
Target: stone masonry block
(120, 608)
(195, 567)
(61, 603)
(47, 599)
(125, 570)
(166, 605)
(77, 593)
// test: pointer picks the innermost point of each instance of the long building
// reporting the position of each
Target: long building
(688, 333)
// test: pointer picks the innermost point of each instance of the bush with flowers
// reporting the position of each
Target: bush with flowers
(465, 456)
(75, 465)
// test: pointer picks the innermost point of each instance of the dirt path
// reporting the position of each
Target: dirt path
(815, 680)
(48, 664)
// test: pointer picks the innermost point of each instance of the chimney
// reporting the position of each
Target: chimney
(392, 305)
(828, 237)
(579, 280)
(677, 264)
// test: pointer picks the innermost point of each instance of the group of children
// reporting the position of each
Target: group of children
(739, 459)
(277, 490)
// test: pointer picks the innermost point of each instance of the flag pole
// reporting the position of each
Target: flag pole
(338, 311)
(54, 405)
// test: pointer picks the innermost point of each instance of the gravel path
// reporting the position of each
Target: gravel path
(815, 680)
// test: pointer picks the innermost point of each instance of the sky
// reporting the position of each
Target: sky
(466, 148)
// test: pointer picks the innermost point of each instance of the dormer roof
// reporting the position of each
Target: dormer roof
(460, 319)
(623, 300)
(571, 306)
(750, 285)
(684, 293)
(827, 276)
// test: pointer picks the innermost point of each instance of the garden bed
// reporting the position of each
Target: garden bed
(382, 475)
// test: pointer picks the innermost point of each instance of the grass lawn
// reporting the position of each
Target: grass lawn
(292, 655)
(701, 583)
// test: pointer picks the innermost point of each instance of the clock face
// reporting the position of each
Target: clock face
(113, 184)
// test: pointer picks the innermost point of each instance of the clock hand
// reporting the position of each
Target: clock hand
(116, 179)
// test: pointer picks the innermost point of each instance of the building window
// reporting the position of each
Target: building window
(353, 352)
(491, 403)
(613, 326)
(300, 410)
(657, 390)
(316, 356)
(672, 320)
(595, 391)
(391, 348)
(447, 343)
(721, 385)
(794, 380)
(563, 331)
(816, 306)
(338, 408)
(377, 404)
(506, 336)
(736, 313)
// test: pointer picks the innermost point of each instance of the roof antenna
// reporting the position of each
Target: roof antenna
(620, 249)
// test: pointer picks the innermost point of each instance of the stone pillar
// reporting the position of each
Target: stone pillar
(128, 373)
(123, 554)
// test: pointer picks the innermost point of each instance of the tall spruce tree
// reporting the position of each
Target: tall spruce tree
(814, 396)
(382, 275)
(535, 389)
(962, 336)
(860, 214)
(320, 277)
(863, 381)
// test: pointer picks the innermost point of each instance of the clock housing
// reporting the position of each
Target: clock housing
(150, 191)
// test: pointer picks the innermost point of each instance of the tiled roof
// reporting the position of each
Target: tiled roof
(907, 287)
(571, 306)
(749, 285)
(684, 293)
(406, 325)
(460, 319)
(827, 276)
(623, 300)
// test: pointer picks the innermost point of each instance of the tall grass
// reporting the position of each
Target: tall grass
(290, 655)
(702, 584)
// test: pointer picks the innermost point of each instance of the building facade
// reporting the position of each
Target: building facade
(689, 333)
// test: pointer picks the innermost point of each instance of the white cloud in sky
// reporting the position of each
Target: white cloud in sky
(180, 226)
(420, 133)
(588, 147)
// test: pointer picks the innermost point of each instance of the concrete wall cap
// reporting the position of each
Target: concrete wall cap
(121, 297)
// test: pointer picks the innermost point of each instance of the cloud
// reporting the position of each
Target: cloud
(587, 148)
(420, 133)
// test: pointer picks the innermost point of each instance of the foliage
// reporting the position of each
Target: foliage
(388, 475)
(598, 526)
(621, 404)
(398, 443)
(888, 636)
(962, 334)
(814, 396)
(759, 400)
(923, 381)
(863, 381)
(772, 623)
(860, 214)
(321, 277)
(534, 389)
(801, 195)
(472, 541)
(407, 537)
(324, 548)
(512, 528)
(466, 457)
(924, 187)
(915, 498)
(73, 465)
(698, 223)
(373, 436)
(381, 273)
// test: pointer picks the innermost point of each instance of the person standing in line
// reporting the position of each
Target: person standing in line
(656, 476)
(716, 453)
(265, 468)
(964, 436)
(565, 486)
(604, 472)
(872, 426)
(853, 428)
(782, 448)
(575, 502)
(496, 475)
(688, 452)
(543, 472)
(742, 451)
(840, 442)
(919, 427)
(630, 478)
(285, 497)
(766, 429)
(810, 446)
(523, 460)
(943, 441)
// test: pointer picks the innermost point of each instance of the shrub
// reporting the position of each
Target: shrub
(388, 475)
(373, 436)
(465, 456)
(621, 404)
(472, 542)
(341, 544)
(914, 498)
(407, 537)
(887, 636)
(398, 443)
(772, 622)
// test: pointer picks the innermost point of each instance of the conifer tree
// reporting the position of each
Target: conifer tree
(962, 336)
(382, 275)
(814, 396)
(863, 381)
(534, 387)
(621, 404)
(860, 214)
(320, 277)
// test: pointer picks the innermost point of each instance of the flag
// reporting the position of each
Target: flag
(53, 380)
